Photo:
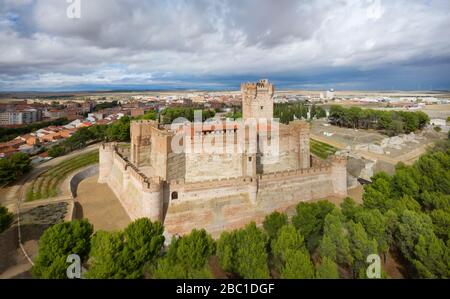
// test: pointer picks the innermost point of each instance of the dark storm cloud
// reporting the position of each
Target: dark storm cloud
(146, 43)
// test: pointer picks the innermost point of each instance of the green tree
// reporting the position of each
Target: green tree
(441, 223)
(298, 265)
(327, 269)
(99, 132)
(335, 243)
(124, 254)
(106, 105)
(273, 223)
(419, 244)
(404, 182)
(390, 122)
(349, 208)
(187, 257)
(361, 246)
(195, 249)
(309, 221)
(79, 139)
(290, 254)
(435, 200)
(6, 218)
(378, 194)
(320, 112)
(120, 130)
(406, 202)
(431, 258)
(13, 167)
(313, 111)
(150, 115)
(288, 239)
(57, 243)
(226, 248)
(56, 151)
(143, 240)
(106, 256)
(432, 173)
(244, 252)
(378, 226)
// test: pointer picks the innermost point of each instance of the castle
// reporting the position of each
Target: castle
(222, 178)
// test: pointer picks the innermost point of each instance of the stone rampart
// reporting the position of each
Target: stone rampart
(220, 204)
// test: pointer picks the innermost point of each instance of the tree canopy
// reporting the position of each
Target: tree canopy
(273, 223)
(6, 218)
(187, 257)
(309, 220)
(13, 167)
(57, 243)
(243, 252)
(390, 122)
(124, 254)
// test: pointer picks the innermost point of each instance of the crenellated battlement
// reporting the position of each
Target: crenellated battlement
(300, 125)
(262, 86)
(151, 184)
(338, 160)
(207, 184)
(295, 173)
(110, 146)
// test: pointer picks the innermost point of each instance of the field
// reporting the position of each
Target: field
(46, 185)
(322, 150)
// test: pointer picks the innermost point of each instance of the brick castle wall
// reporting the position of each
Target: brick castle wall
(215, 205)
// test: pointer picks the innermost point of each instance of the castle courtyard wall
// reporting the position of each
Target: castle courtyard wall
(139, 196)
(204, 166)
(215, 205)
(217, 208)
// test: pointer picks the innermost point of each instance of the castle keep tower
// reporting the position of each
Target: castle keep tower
(257, 100)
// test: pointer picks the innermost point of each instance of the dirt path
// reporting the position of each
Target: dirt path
(16, 271)
(12, 197)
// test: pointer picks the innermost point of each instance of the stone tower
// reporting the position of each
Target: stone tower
(257, 100)
(300, 129)
(141, 133)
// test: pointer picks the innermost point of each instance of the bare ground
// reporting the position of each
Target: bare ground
(97, 203)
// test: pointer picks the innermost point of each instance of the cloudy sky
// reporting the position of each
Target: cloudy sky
(207, 44)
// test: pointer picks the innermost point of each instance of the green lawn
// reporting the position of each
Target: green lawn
(46, 185)
(321, 149)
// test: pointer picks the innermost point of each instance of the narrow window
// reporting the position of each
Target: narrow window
(174, 195)
(262, 107)
(249, 159)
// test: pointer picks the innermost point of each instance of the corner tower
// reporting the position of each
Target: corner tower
(257, 100)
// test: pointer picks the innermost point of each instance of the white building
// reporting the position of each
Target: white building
(330, 94)
(20, 117)
(438, 122)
